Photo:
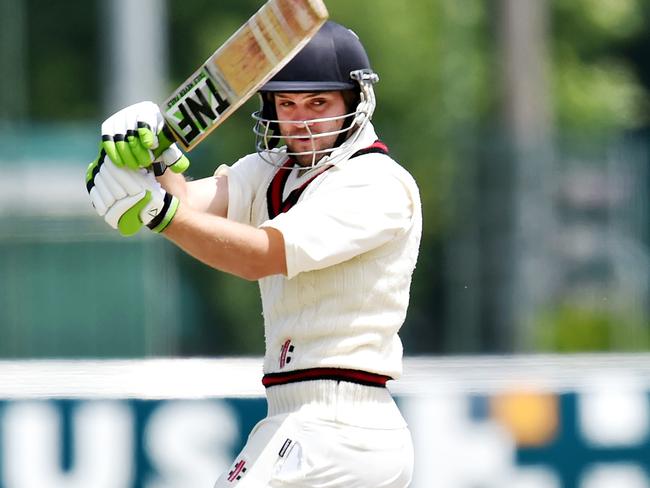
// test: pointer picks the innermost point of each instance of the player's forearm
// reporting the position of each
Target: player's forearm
(205, 195)
(174, 184)
(238, 249)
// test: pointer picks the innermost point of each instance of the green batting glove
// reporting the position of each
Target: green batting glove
(128, 199)
(137, 137)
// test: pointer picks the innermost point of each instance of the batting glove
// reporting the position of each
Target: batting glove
(137, 137)
(128, 199)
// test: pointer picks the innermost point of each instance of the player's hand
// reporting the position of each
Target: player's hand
(135, 138)
(127, 198)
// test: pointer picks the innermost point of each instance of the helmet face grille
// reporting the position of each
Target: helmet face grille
(267, 139)
(268, 136)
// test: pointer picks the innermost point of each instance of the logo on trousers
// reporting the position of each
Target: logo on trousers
(237, 471)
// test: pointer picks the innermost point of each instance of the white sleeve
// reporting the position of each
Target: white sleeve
(342, 218)
(245, 177)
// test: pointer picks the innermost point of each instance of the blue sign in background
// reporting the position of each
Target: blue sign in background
(74, 443)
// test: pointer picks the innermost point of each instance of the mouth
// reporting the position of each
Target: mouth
(300, 137)
(302, 142)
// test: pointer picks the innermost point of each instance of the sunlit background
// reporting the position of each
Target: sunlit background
(525, 123)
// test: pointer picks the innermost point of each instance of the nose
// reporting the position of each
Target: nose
(302, 118)
(301, 127)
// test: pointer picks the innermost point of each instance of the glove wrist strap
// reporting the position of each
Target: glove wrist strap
(162, 220)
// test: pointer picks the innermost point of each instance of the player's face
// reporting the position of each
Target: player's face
(296, 110)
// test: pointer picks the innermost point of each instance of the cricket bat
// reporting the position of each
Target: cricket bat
(239, 68)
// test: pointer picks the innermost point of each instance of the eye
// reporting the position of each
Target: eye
(318, 102)
(285, 103)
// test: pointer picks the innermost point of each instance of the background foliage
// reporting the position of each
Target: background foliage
(440, 110)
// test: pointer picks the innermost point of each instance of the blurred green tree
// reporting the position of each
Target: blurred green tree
(438, 101)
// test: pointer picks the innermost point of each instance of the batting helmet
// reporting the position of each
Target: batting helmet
(334, 59)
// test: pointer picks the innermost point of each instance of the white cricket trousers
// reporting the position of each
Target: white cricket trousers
(325, 434)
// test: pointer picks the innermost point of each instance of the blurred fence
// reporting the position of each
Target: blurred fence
(489, 422)
(68, 286)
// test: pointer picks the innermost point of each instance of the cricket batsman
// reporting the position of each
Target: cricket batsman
(329, 225)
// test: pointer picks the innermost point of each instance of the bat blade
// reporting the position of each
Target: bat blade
(241, 66)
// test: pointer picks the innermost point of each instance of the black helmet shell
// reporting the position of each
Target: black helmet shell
(324, 64)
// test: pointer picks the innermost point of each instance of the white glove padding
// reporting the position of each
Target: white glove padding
(128, 199)
(135, 137)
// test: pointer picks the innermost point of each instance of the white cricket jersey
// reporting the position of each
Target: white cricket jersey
(351, 242)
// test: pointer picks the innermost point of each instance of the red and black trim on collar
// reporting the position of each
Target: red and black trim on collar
(336, 374)
(275, 202)
(376, 147)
